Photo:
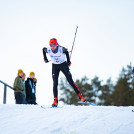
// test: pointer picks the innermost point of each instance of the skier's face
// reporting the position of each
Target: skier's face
(53, 47)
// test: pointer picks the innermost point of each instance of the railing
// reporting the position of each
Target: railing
(5, 91)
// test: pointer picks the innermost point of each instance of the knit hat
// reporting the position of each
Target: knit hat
(53, 41)
(32, 73)
(35, 79)
(20, 71)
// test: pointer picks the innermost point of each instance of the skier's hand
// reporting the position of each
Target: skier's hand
(69, 64)
(46, 61)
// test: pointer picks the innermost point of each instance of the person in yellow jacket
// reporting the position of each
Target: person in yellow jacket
(19, 88)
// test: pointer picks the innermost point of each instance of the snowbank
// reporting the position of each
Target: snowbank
(24, 119)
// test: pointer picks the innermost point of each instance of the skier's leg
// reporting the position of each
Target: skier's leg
(55, 75)
(65, 70)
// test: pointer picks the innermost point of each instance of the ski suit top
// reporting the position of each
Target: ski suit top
(58, 56)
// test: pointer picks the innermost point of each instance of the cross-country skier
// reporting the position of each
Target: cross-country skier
(59, 55)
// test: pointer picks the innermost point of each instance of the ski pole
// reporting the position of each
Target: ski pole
(72, 45)
(73, 42)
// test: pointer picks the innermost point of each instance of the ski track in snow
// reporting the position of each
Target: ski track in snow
(29, 119)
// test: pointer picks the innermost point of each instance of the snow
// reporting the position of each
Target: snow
(29, 119)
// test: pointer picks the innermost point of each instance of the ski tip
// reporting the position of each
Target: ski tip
(43, 107)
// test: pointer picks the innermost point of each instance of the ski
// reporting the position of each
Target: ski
(43, 107)
(56, 106)
(87, 102)
(46, 107)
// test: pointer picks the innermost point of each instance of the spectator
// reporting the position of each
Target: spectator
(31, 89)
(19, 88)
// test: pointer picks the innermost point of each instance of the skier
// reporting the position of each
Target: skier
(31, 89)
(59, 55)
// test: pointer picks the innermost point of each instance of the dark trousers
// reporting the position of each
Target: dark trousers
(31, 101)
(56, 68)
(20, 99)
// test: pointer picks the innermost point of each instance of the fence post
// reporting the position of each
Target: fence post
(5, 94)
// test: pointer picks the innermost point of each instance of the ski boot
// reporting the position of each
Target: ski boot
(55, 103)
(81, 97)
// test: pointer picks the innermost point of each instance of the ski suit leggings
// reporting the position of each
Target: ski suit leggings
(56, 68)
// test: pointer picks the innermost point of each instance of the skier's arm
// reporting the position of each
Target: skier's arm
(67, 55)
(44, 54)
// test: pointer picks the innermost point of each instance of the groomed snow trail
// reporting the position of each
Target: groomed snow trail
(28, 119)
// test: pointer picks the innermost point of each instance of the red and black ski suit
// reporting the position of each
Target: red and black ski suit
(64, 67)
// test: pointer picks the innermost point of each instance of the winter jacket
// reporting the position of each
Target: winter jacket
(19, 85)
(30, 90)
(24, 89)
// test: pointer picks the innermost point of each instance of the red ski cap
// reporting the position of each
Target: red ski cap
(53, 41)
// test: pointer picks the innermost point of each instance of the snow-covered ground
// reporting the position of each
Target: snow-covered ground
(24, 119)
